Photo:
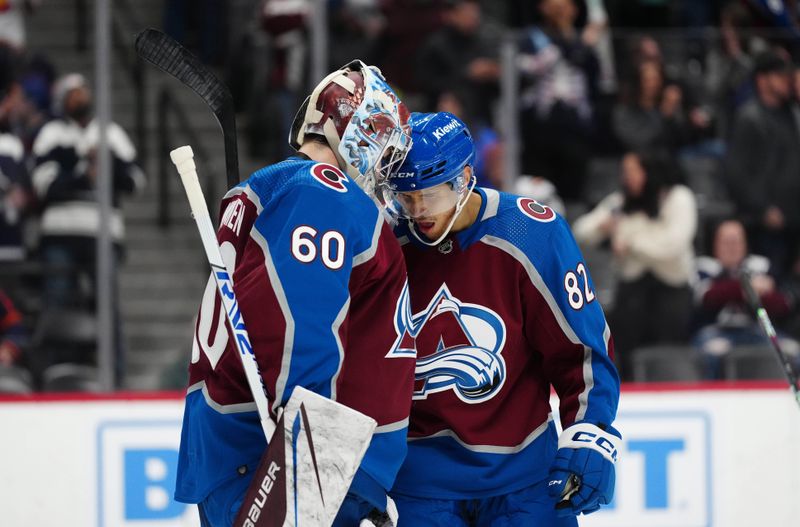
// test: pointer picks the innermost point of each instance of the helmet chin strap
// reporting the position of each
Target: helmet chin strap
(459, 207)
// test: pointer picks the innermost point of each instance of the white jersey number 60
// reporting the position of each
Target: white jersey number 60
(331, 246)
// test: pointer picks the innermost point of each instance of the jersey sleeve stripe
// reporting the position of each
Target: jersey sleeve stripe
(280, 295)
(367, 255)
(583, 398)
(569, 332)
(491, 449)
(492, 204)
(221, 408)
(249, 192)
(337, 323)
(392, 427)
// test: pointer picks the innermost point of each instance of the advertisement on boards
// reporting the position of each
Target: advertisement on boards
(689, 458)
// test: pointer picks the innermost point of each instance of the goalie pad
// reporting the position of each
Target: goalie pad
(305, 473)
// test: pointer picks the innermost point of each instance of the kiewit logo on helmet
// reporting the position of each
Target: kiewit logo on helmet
(446, 129)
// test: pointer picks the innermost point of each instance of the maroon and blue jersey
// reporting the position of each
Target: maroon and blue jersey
(501, 312)
(318, 276)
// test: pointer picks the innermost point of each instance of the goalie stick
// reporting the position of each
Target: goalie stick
(183, 158)
(769, 329)
(169, 56)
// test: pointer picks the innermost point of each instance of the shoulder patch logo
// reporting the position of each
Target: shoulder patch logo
(535, 210)
(330, 176)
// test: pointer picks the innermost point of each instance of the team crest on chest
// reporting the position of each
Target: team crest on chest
(535, 210)
(458, 347)
(330, 176)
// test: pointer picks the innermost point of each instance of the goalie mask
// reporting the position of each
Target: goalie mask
(434, 178)
(361, 118)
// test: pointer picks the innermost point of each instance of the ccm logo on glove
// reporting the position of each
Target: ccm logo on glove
(602, 442)
(586, 435)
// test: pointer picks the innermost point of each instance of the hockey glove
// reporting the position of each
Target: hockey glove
(387, 518)
(357, 511)
(582, 475)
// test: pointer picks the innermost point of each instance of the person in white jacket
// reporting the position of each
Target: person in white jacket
(650, 224)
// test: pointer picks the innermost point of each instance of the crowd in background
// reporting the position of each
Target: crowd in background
(667, 132)
(50, 215)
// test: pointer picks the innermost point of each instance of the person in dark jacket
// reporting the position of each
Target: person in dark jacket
(15, 195)
(461, 57)
(560, 74)
(763, 163)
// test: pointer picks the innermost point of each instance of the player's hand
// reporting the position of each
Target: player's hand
(582, 475)
(387, 518)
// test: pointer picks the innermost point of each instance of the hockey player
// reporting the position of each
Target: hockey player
(502, 308)
(318, 284)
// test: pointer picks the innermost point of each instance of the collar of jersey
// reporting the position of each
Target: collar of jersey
(473, 233)
(464, 238)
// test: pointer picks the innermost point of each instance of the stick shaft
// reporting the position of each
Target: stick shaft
(184, 162)
(766, 325)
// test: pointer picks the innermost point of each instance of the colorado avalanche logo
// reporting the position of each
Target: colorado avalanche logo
(459, 347)
(329, 176)
(535, 210)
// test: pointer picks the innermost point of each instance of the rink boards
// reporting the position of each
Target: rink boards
(714, 455)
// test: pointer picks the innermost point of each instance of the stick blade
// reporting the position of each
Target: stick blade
(169, 56)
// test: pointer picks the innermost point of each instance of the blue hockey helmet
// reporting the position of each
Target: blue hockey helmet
(442, 148)
(432, 179)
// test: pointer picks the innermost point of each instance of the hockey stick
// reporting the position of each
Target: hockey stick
(183, 158)
(769, 329)
(304, 475)
(169, 56)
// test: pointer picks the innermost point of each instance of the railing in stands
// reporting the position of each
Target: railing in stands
(125, 25)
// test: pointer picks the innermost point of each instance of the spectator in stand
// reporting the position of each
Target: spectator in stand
(64, 178)
(729, 65)
(412, 23)
(651, 115)
(15, 192)
(561, 73)
(721, 309)
(285, 23)
(650, 223)
(490, 161)
(357, 25)
(36, 78)
(13, 335)
(763, 163)
(461, 57)
(12, 21)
